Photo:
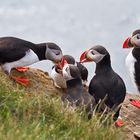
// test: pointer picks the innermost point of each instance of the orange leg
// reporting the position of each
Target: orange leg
(22, 69)
(22, 80)
(135, 103)
(119, 122)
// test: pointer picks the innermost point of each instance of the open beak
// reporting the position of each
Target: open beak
(126, 43)
(59, 66)
(83, 57)
(62, 63)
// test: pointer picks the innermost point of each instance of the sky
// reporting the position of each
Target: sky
(75, 25)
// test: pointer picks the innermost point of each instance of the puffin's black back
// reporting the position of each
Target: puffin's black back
(76, 93)
(109, 84)
(83, 70)
(78, 96)
(12, 49)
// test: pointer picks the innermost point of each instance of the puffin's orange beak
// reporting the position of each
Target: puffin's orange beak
(126, 43)
(83, 57)
(63, 62)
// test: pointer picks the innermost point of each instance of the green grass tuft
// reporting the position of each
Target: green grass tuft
(43, 117)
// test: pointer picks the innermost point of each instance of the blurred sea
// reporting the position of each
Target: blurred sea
(75, 25)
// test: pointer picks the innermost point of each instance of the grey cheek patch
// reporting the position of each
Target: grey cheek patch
(48, 54)
(135, 40)
(98, 57)
(53, 55)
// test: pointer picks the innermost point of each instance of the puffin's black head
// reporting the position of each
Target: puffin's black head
(133, 41)
(70, 71)
(96, 54)
(69, 59)
(53, 52)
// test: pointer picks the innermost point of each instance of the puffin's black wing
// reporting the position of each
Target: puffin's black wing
(110, 85)
(12, 49)
(118, 91)
(83, 71)
(96, 89)
(137, 74)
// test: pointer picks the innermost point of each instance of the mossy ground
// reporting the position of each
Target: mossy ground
(37, 114)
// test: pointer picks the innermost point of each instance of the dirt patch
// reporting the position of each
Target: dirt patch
(131, 117)
(39, 82)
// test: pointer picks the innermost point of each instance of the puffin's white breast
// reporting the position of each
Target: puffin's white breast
(130, 64)
(59, 81)
(28, 59)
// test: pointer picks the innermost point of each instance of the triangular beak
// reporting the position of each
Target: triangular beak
(83, 57)
(63, 63)
(126, 43)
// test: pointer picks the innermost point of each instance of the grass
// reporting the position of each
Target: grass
(42, 117)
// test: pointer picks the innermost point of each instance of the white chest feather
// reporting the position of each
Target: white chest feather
(130, 64)
(28, 59)
(59, 81)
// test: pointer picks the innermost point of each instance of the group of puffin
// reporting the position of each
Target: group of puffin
(71, 75)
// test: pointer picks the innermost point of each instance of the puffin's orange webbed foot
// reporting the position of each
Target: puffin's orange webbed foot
(22, 80)
(119, 122)
(22, 69)
(135, 103)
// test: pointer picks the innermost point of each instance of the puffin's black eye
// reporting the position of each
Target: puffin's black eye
(67, 69)
(57, 53)
(138, 36)
(92, 52)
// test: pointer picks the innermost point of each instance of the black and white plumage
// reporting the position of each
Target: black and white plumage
(59, 79)
(75, 94)
(83, 70)
(15, 52)
(133, 58)
(105, 83)
(56, 75)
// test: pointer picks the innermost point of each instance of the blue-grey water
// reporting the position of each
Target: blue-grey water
(75, 25)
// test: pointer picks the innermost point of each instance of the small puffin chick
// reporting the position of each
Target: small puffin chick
(15, 53)
(59, 80)
(76, 94)
(133, 61)
(105, 83)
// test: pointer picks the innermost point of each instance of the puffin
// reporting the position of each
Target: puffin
(57, 77)
(76, 95)
(106, 85)
(133, 61)
(17, 53)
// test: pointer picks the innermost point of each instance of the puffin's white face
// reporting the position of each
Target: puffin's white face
(135, 40)
(66, 72)
(54, 55)
(95, 56)
(91, 55)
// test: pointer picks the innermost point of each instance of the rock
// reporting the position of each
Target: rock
(131, 116)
